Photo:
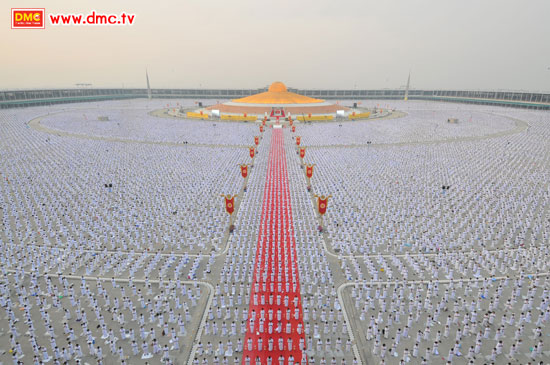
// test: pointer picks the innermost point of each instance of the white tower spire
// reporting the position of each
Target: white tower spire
(407, 88)
(149, 95)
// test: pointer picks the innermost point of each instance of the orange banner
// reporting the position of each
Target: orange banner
(200, 115)
(252, 151)
(315, 118)
(298, 140)
(244, 170)
(309, 170)
(256, 140)
(229, 203)
(302, 152)
(322, 203)
(251, 118)
(354, 116)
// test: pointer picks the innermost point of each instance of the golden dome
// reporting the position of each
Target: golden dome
(277, 87)
(277, 94)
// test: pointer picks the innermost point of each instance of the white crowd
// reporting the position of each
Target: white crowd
(100, 237)
(117, 274)
(452, 275)
(132, 120)
(422, 122)
(326, 338)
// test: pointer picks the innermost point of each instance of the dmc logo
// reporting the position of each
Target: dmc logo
(28, 18)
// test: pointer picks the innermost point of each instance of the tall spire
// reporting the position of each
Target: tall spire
(407, 88)
(149, 96)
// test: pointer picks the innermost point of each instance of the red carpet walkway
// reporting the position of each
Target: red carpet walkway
(275, 329)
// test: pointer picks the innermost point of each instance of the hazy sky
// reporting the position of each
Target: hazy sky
(462, 44)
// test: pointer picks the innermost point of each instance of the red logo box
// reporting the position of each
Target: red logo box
(28, 18)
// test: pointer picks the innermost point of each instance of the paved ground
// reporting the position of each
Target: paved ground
(353, 304)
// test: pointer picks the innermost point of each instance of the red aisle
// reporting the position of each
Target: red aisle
(275, 323)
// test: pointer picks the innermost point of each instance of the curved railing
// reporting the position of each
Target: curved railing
(23, 98)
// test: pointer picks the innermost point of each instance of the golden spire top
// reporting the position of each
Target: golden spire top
(277, 87)
(277, 94)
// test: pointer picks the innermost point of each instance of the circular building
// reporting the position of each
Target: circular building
(278, 101)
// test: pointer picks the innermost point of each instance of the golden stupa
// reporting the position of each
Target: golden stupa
(277, 94)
